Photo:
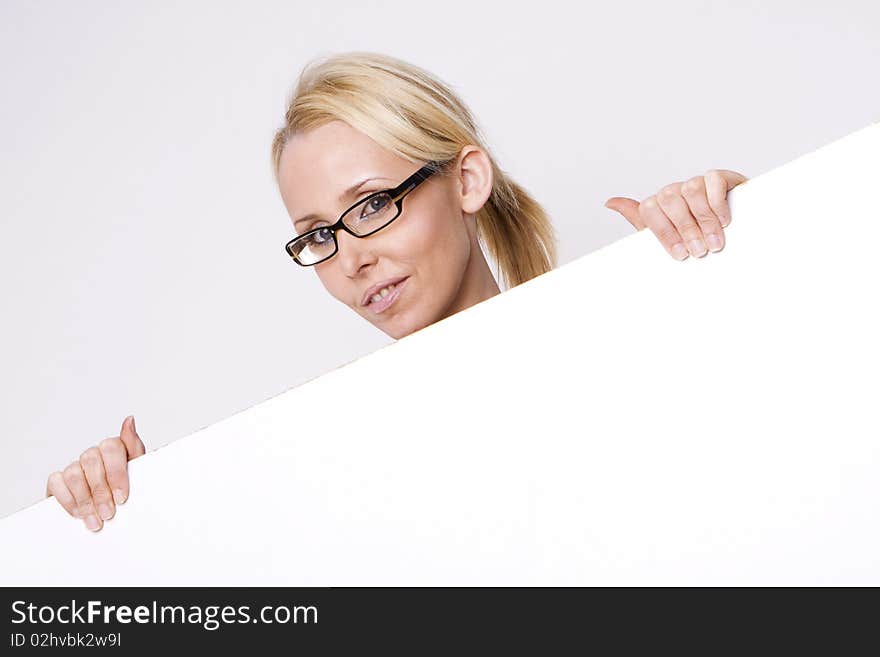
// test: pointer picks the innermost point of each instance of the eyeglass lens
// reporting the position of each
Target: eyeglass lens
(366, 217)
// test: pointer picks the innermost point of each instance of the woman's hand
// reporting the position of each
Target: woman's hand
(91, 487)
(687, 217)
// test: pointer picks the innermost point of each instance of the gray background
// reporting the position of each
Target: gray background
(143, 268)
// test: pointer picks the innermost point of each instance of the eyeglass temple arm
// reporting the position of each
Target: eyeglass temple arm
(418, 176)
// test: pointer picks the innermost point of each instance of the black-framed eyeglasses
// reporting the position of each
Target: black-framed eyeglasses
(367, 216)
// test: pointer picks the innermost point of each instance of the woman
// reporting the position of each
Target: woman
(391, 189)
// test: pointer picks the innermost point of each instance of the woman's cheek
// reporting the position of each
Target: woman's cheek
(419, 237)
(446, 241)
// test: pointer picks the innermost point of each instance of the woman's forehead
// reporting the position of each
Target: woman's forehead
(335, 148)
(318, 167)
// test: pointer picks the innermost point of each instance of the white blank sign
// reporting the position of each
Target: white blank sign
(625, 419)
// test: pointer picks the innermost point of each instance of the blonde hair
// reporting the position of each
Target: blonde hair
(410, 112)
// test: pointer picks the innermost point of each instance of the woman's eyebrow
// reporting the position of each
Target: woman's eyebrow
(346, 194)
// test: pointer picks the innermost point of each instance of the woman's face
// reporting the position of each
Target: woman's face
(427, 252)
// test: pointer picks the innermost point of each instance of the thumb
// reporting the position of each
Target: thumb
(628, 208)
(133, 443)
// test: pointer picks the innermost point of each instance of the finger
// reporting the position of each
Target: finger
(673, 204)
(134, 446)
(55, 487)
(75, 479)
(718, 183)
(93, 465)
(654, 218)
(116, 466)
(628, 207)
(694, 193)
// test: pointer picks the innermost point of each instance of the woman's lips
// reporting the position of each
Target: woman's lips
(383, 304)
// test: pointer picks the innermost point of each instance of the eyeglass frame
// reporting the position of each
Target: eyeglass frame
(397, 195)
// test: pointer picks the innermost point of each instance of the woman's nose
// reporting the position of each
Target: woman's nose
(354, 253)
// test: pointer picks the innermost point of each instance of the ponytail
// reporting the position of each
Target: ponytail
(517, 232)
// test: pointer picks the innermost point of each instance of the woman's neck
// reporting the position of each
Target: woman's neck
(477, 285)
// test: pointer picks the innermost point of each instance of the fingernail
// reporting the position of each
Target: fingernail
(697, 248)
(714, 242)
(92, 522)
(118, 496)
(105, 511)
(679, 251)
(725, 221)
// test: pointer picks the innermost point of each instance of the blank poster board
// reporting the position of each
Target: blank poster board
(625, 419)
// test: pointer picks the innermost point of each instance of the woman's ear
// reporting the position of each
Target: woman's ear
(475, 174)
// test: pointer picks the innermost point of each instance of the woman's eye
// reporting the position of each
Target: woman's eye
(323, 235)
(374, 205)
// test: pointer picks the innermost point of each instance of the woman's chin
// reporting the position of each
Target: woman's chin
(399, 325)
(394, 328)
